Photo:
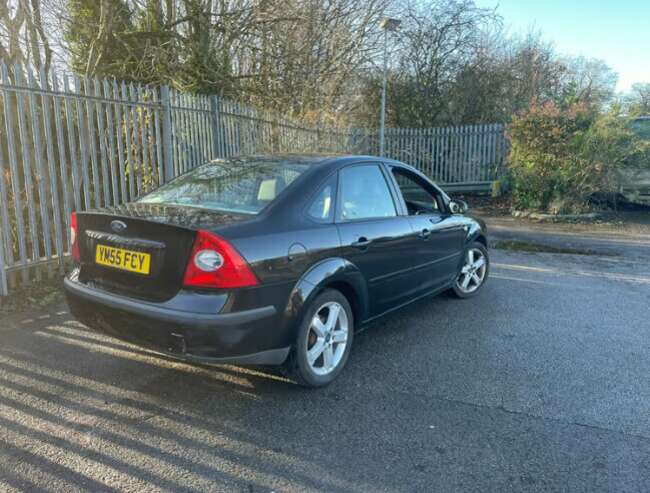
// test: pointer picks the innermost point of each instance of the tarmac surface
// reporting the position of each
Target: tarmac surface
(540, 383)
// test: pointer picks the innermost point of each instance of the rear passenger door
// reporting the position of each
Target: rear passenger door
(373, 235)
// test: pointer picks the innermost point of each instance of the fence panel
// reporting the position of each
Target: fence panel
(69, 144)
(464, 156)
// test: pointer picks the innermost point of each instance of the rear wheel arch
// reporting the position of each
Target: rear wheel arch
(332, 273)
(351, 294)
(308, 362)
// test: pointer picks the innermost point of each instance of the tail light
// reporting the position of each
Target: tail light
(74, 240)
(214, 263)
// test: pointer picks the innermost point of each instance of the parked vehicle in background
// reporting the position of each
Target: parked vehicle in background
(634, 183)
(272, 259)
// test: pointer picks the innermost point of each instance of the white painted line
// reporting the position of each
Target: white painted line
(613, 276)
(532, 281)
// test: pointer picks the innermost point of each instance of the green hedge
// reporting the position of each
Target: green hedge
(561, 157)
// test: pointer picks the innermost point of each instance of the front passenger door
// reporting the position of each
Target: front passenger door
(373, 236)
(440, 234)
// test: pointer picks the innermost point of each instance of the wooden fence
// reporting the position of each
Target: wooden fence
(69, 144)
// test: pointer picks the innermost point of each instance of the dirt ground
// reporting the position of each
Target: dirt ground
(627, 220)
(32, 296)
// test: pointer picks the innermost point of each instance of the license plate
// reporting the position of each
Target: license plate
(122, 259)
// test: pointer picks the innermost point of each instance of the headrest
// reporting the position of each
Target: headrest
(268, 190)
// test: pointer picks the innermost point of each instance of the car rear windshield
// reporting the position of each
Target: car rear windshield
(233, 185)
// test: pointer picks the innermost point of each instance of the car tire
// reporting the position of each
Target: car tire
(466, 284)
(321, 350)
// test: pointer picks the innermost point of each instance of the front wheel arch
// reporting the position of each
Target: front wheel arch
(481, 239)
(456, 290)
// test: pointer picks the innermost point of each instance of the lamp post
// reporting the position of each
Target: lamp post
(387, 24)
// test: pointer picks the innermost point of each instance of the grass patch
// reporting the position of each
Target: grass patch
(527, 246)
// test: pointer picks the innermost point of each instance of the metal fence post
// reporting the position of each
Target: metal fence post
(4, 291)
(168, 158)
(214, 109)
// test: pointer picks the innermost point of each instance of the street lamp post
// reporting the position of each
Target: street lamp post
(386, 24)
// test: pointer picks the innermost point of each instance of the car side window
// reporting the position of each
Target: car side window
(419, 198)
(365, 194)
(322, 206)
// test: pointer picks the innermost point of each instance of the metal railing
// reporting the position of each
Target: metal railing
(472, 156)
(69, 143)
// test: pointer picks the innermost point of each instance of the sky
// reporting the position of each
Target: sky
(616, 31)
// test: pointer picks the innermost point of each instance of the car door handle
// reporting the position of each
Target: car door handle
(425, 233)
(362, 242)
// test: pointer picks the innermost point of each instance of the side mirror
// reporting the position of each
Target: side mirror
(458, 207)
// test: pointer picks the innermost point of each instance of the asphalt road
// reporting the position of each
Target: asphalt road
(541, 383)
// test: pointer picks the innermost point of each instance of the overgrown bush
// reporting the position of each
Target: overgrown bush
(562, 157)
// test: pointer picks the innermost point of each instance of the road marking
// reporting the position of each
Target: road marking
(613, 276)
(533, 281)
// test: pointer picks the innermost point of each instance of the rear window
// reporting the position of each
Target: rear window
(233, 185)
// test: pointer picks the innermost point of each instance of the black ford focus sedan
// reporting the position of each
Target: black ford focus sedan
(271, 260)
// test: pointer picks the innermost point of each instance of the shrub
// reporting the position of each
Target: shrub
(561, 157)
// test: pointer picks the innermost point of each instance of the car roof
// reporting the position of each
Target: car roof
(311, 159)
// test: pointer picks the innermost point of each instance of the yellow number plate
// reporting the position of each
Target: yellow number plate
(119, 258)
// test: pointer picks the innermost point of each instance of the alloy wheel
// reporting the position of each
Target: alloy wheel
(327, 338)
(473, 272)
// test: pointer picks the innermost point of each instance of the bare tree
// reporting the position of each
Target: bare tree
(437, 40)
(22, 35)
(589, 80)
(305, 63)
(452, 62)
(639, 98)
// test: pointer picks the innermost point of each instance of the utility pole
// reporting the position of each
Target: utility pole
(386, 24)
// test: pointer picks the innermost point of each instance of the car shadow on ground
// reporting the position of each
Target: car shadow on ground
(113, 391)
(83, 404)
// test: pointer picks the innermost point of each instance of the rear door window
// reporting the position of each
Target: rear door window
(364, 194)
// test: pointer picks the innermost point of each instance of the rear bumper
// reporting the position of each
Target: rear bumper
(252, 337)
